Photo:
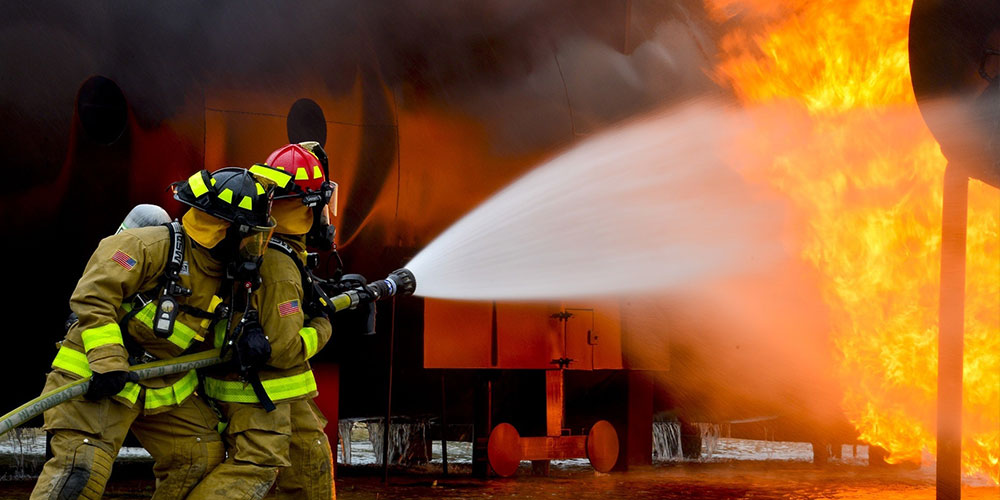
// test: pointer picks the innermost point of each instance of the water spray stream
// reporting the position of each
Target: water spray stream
(649, 205)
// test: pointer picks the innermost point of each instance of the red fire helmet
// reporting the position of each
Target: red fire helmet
(301, 164)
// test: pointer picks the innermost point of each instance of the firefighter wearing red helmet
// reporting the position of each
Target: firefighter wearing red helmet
(150, 293)
(306, 163)
(289, 438)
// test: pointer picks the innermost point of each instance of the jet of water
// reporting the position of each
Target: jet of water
(649, 205)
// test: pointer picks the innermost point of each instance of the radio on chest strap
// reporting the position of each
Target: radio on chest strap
(167, 306)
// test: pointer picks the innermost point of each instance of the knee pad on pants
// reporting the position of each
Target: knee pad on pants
(190, 461)
(205, 457)
(86, 474)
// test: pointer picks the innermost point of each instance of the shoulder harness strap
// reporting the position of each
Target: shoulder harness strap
(167, 306)
(173, 269)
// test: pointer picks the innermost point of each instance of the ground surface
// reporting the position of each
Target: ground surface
(736, 480)
(727, 469)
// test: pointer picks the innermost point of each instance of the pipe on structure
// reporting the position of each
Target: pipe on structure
(951, 332)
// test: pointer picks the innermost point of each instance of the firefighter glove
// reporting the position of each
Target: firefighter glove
(110, 383)
(252, 349)
(314, 309)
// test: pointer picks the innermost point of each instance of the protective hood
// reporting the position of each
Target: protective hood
(292, 216)
(204, 229)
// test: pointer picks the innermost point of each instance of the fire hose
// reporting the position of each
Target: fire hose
(400, 282)
(160, 368)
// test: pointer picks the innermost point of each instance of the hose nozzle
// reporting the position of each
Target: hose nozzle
(399, 282)
(406, 283)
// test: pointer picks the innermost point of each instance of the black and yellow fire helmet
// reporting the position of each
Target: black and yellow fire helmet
(232, 194)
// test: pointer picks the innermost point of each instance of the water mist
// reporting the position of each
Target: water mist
(648, 205)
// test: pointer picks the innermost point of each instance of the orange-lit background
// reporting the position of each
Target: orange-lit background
(838, 123)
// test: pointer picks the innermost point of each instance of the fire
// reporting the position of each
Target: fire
(864, 176)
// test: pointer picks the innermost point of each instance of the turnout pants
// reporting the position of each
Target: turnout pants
(257, 445)
(310, 477)
(86, 437)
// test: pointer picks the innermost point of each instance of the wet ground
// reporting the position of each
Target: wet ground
(736, 480)
(710, 481)
(727, 469)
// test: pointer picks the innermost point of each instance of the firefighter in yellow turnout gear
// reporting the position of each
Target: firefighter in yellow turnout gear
(149, 293)
(286, 447)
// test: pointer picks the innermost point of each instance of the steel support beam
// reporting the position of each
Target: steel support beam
(951, 334)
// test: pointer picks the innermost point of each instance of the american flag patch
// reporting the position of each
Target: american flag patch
(286, 308)
(123, 260)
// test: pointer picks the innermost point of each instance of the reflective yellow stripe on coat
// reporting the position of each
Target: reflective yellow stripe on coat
(237, 391)
(181, 336)
(174, 394)
(76, 362)
(72, 361)
(101, 335)
(311, 340)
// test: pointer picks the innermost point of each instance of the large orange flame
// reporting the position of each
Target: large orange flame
(865, 177)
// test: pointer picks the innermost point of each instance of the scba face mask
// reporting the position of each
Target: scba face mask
(254, 244)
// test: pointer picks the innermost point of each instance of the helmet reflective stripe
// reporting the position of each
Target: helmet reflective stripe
(317, 173)
(246, 203)
(301, 175)
(197, 183)
(226, 195)
(260, 189)
(280, 178)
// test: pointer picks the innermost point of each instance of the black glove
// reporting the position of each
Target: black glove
(252, 349)
(107, 384)
(314, 309)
